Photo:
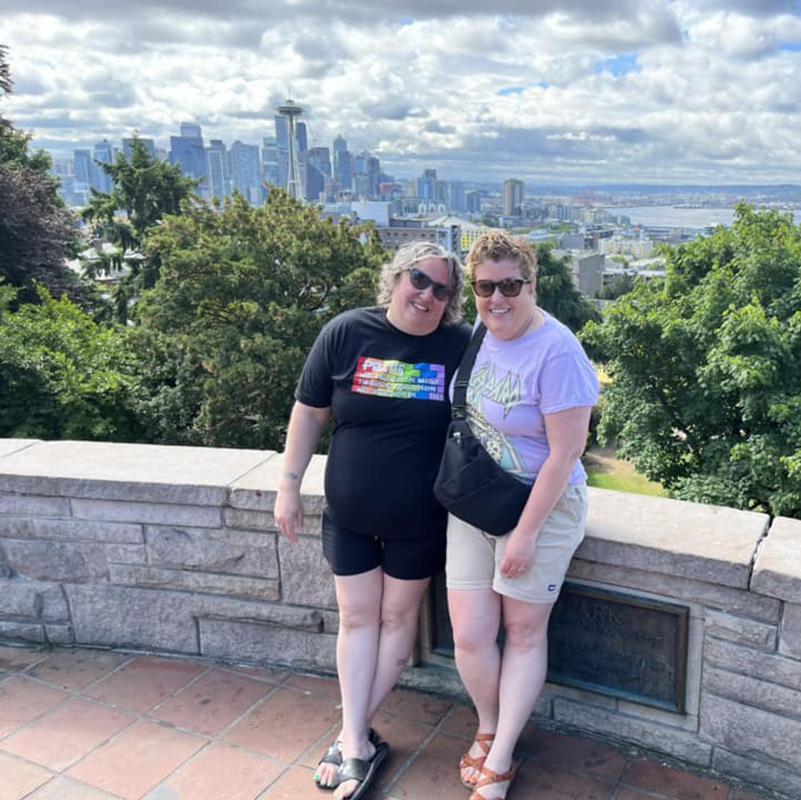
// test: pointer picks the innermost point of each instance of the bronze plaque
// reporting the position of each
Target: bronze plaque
(620, 645)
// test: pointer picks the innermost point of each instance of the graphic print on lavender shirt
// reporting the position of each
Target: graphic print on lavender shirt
(397, 379)
(506, 392)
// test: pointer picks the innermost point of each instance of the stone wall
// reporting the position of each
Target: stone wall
(174, 549)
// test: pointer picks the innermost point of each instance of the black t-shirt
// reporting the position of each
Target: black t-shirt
(388, 393)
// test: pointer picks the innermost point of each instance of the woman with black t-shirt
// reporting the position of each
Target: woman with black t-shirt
(382, 375)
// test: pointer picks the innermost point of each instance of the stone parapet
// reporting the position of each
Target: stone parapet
(175, 550)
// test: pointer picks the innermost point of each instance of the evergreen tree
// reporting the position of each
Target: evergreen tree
(144, 190)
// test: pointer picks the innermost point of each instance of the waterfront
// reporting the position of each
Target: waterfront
(670, 217)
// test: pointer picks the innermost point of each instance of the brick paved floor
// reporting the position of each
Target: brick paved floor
(98, 725)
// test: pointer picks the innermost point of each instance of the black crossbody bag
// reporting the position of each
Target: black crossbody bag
(470, 484)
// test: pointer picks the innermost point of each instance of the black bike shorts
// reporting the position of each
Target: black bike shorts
(352, 553)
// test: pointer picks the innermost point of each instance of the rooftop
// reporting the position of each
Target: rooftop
(85, 724)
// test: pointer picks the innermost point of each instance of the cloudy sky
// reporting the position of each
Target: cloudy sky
(579, 91)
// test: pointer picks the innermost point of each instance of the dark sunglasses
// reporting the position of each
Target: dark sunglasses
(510, 287)
(421, 281)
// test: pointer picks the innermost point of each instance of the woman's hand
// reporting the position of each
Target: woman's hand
(289, 511)
(519, 554)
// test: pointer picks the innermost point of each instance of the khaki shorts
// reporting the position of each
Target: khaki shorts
(474, 557)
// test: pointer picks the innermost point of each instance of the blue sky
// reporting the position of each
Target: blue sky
(574, 91)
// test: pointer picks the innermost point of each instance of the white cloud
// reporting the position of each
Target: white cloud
(667, 90)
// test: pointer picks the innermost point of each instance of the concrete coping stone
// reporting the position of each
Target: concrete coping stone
(132, 472)
(702, 542)
(777, 570)
(674, 537)
(257, 489)
(9, 446)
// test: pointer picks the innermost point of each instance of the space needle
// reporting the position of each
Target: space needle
(291, 110)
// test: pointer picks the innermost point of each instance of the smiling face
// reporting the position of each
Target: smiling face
(505, 317)
(417, 311)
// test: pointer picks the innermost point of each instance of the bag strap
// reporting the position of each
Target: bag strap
(459, 404)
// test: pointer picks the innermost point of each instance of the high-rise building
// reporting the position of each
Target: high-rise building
(301, 134)
(82, 160)
(366, 176)
(456, 196)
(270, 171)
(427, 186)
(318, 173)
(217, 166)
(513, 193)
(343, 168)
(102, 153)
(472, 201)
(246, 171)
(188, 153)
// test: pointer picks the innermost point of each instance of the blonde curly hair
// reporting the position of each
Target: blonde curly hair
(500, 246)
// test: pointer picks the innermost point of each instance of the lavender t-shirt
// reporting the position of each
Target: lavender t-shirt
(514, 383)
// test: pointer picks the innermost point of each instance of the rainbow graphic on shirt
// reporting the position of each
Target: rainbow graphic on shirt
(399, 380)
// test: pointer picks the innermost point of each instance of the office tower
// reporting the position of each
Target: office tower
(188, 153)
(343, 168)
(246, 171)
(318, 173)
(456, 196)
(102, 153)
(82, 160)
(320, 159)
(373, 176)
(270, 172)
(427, 185)
(149, 145)
(301, 134)
(472, 201)
(361, 180)
(218, 169)
(191, 130)
(366, 176)
(513, 191)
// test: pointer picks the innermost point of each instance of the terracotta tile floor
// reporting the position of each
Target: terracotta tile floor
(95, 725)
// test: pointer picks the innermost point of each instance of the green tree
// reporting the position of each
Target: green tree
(705, 367)
(617, 287)
(61, 375)
(144, 190)
(242, 295)
(37, 233)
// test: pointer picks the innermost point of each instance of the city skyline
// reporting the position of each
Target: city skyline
(580, 91)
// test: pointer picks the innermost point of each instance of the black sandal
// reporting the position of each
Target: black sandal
(362, 770)
(333, 756)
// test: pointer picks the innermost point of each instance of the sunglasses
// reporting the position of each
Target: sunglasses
(510, 287)
(421, 282)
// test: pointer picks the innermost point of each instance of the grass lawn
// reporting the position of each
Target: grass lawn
(605, 471)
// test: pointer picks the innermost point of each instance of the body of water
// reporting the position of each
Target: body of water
(670, 217)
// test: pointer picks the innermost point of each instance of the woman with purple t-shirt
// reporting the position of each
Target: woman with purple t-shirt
(529, 399)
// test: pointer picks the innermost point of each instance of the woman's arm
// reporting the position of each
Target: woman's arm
(306, 424)
(567, 437)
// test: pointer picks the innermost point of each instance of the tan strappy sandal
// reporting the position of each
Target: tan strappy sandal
(490, 777)
(484, 741)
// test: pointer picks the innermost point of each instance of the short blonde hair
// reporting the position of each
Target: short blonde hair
(500, 246)
(414, 253)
